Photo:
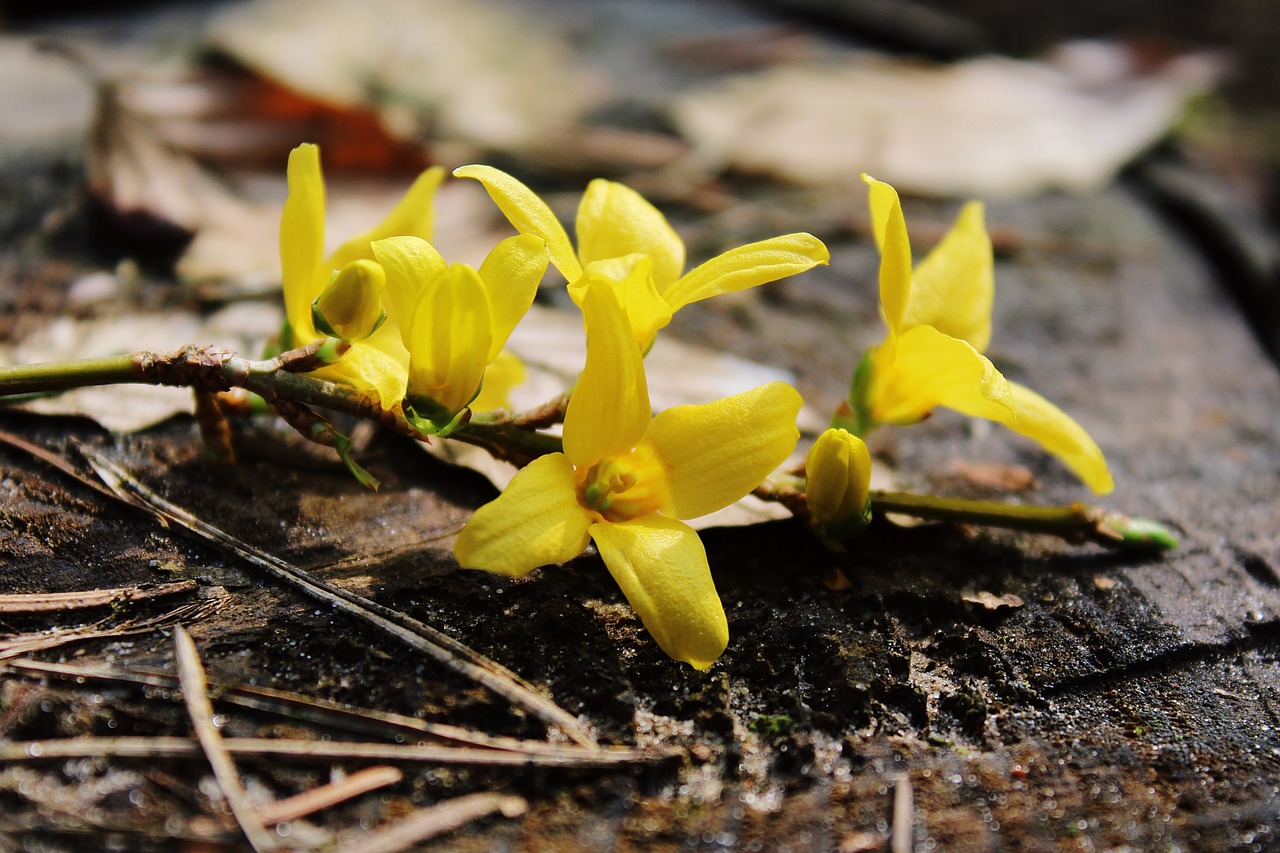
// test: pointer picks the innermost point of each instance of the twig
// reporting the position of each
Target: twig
(902, 830)
(324, 796)
(363, 721)
(215, 430)
(23, 644)
(417, 635)
(50, 458)
(436, 820)
(179, 747)
(192, 677)
(1075, 522)
(44, 602)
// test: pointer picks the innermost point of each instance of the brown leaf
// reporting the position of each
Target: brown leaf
(993, 602)
(1008, 478)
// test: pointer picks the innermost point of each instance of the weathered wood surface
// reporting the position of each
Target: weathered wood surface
(1128, 703)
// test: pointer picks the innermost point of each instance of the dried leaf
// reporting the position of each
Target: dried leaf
(1008, 478)
(43, 102)
(994, 602)
(990, 127)
(464, 70)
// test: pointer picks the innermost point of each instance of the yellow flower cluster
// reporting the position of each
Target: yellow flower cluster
(426, 337)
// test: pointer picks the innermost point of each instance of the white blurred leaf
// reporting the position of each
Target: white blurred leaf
(989, 127)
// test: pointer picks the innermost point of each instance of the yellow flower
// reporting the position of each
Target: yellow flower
(939, 319)
(645, 257)
(506, 373)
(350, 306)
(626, 477)
(838, 487)
(379, 362)
(454, 320)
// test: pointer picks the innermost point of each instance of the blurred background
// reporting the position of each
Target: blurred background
(155, 133)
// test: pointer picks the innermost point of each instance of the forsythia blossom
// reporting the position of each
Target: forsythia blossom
(939, 319)
(379, 361)
(455, 320)
(630, 243)
(626, 477)
(838, 487)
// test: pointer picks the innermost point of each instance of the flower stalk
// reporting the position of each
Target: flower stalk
(514, 438)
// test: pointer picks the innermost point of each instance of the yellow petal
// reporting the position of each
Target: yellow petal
(351, 304)
(953, 287)
(413, 216)
(631, 279)
(838, 473)
(369, 369)
(718, 452)
(500, 377)
(536, 522)
(615, 220)
(302, 240)
(609, 409)
(449, 337)
(1042, 421)
(662, 569)
(924, 368)
(409, 262)
(511, 274)
(890, 229)
(528, 214)
(747, 266)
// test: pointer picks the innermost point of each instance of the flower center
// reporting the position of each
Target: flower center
(625, 487)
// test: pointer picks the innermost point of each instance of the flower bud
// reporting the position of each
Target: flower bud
(350, 306)
(839, 484)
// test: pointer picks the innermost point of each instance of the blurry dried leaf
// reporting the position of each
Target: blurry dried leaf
(156, 192)
(1105, 583)
(150, 140)
(990, 127)
(464, 70)
(1008, 478)
(230, 116)
(994, 602)
(43, 101)
(125, 408)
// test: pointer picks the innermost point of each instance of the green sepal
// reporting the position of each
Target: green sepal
(856, 417)
(1143, 533)
(323, 327)
(258, 405)
(342, 444)
(430, 418)
(846, 529)
(331, 349)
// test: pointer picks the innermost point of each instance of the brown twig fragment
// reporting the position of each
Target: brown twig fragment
(46, 602)
(436, 820)
(215, 429)
(324, 796)
(192, 677)
(326, 751)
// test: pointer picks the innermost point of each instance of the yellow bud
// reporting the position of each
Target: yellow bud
(839, 483)
(350, 306)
